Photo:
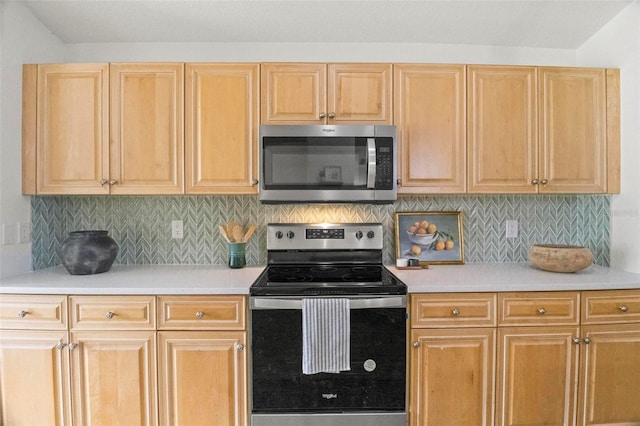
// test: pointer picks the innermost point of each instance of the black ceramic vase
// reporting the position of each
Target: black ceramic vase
(88, 252)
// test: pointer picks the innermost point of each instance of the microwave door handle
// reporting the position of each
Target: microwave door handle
(371, 163)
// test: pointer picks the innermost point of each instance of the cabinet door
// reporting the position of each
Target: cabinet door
(73, 129)
(222, 128)
(359, 93)
(293, 93)
(113, 376)
(430, 119)
(147, 114)
(537, 370)
(573, 125)
(610, 375)
(202, 378)
(34, 378)
(502, 128)
(452, 377)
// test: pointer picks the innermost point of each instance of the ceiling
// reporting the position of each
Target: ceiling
(563, 24)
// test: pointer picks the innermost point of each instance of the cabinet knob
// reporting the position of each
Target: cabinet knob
(103, 182)
(323, 114)
(60, 345)
(109, 315)
(112, 181)
(623, 308)
(72, 346)
(542, 311)
(534, 182)
(587, 340)
(544, 181)
(254, 182)
(332, 115)
(416, 344)
(576, 340)
(455, 312)
(399, 181)
(22, 314)
(239, 346)
(199, 314)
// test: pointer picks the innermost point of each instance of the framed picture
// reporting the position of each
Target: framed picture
(431, 237)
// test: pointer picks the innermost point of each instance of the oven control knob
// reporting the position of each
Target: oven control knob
(278, 234)
(371, 234)
(290, 234)
(358, 234)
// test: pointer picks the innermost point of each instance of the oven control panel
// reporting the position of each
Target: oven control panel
(324, 236)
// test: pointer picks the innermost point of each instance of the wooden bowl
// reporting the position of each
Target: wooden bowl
(560, 257)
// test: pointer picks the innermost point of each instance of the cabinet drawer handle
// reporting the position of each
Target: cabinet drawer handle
(103, 182)
(22, 314)
(60, 345)
(254, 182)
(112, 181)
(72, 346)
(576, 340)
(587, 340)
(535, 182)
(109, 315)
(416, 344)
(542, 311)
(199, 314)
(544, 182)
(455, 312)
(623, 308)
(322, 115)
(239, 346)
(332, 115)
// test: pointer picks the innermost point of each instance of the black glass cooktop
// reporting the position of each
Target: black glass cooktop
(326, 280)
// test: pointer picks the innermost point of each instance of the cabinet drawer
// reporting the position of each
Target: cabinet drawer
(33, 312)
(453, 309)
(113, 312)
(540, 308)
(618, 306)
(201, 312)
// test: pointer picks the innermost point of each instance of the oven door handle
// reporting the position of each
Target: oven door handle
(354, 303)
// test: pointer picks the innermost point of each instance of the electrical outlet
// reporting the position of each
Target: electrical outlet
(177, 230)
(8, 234)
(512, 229)
(24, 232)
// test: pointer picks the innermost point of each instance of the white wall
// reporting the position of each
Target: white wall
(618, 45)
(23, 39)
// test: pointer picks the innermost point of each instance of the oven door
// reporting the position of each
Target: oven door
(373, 392)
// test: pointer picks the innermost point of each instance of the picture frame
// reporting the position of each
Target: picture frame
(431, 237)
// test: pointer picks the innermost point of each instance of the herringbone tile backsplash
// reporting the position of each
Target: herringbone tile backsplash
(142, 225)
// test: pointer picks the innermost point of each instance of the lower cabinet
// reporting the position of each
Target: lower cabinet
(559, 358)
(91, 360)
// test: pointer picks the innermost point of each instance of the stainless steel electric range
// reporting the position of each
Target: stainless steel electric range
(312, 264)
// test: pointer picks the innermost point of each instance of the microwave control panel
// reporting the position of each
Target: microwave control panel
(384, 163)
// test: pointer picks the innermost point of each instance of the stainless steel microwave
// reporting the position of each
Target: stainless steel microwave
(328, 164)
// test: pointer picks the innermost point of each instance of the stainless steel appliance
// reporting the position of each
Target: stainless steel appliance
(327, 261)
(315, 163)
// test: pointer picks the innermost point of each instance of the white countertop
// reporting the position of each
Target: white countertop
(489, 277)
(219, 279)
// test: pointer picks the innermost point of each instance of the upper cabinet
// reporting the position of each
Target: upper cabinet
(66, 129)
(312, 93)
(147, 130)
(502, 132)
(429, 104)
(543, 130)
(222, 128)
(73, 143)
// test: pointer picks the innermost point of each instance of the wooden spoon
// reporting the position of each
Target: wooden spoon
(224, 233)
(249, 233)
(237, 233)
(230, 226)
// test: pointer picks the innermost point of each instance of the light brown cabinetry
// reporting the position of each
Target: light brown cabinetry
(202, 371)
(609, 373)
(95, 129)
(113, 360)
(147, 128)
(34, 362)
(429, 112)
(222, 119)
(537, 358)
(543, 130)
(315, 93)
(452, 359)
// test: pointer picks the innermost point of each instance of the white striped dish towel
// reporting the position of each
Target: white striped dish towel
(326, 335)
